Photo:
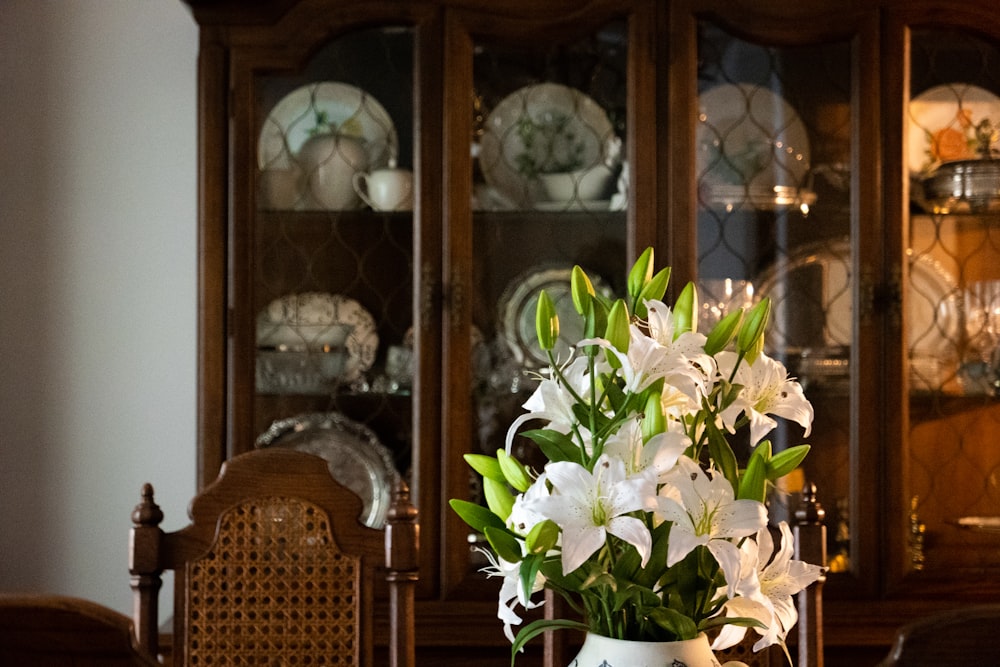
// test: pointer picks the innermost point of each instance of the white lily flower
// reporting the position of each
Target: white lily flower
(659, 454)
(767, 390)
(511, 592)
(705, 512)
(523, 515)
(769, 596)
(587, 506)
(686, 367)
(552, 402)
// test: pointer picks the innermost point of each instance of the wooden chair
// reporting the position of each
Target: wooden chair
(953, 638)
(39, 630)
(276, 568)
(806, 648)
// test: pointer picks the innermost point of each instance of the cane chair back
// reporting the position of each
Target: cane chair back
(38, 630)
(276, 568)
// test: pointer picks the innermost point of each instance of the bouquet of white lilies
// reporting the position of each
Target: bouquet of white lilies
(643, 518)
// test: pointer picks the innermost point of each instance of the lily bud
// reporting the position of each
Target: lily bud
(641, 273)
(542, 537)
(654, 290)
(723, 332)
(546, 322)
(618, 326)
(685, 310)
(582, 289)
(513, 471)
(750, 340)
(653, 420)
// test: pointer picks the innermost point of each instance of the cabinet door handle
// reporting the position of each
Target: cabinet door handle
(457, 300)
(427, 289)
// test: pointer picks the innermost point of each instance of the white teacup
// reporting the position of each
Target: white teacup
(387, 189)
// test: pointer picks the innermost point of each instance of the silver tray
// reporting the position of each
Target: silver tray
(356, 457)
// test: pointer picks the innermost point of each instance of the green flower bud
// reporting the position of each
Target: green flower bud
(723, 332)
(653, 291)
(546, 322)
(513, 471)
(617, 332)
(685, 310)
(750, 340)
(542, 537)
(582, 289)
(653, 420)
(640, 274)
(498, 497)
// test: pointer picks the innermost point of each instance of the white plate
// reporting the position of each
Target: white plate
(932, 321)
(583, 140)
(312, 311)
(356, 457)
(592, 206)
(355, 113)
(517, 313)
(986, 524)
(749, 136)
(950, 112)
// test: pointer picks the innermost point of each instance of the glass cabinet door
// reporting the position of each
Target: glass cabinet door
(775, 218)
(321, 295)
(952, 309)
(547, 181)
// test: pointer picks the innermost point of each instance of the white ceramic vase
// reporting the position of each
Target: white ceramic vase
(329, 162)
(598, 651)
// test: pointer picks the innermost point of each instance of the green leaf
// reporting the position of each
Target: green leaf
(498, 497)
(504, 543)
(542, 537)
(513, 471)
(786, 461)
(742, 621)
(477, 516)
(723, 332)
(674, 622)
(535, 628)
(657, 556)
(556, 446)
(529, 570)
(685, 310)
(546, 321)
(640, 273)
(487, 466)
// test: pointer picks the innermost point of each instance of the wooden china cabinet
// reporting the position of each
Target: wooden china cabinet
(778, 147)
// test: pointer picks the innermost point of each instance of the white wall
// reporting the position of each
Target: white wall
(97, 284)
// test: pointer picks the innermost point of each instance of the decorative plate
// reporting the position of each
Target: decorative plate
(942, 122)
(812, 290)
(317, 317)
(541, 128)
(750, 137)
(357, 459)
(350, 110)
(517, 312)
(986, 524)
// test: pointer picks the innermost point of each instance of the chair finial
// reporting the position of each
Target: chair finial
(147, 512)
